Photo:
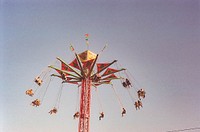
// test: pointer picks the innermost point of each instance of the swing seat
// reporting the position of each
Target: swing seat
(38, 81)
(29, 92)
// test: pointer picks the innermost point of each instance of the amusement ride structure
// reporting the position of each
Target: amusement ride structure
(85, 72)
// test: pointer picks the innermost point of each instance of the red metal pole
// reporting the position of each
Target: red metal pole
(85, 101)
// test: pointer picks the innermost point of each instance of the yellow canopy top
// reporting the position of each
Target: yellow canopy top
(87, 55)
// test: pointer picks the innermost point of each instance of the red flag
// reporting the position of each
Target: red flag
(109, 71)
(101, 66)
(64, 67)
(88, 64)
(111, 77)
(59, 71)
(74, 64)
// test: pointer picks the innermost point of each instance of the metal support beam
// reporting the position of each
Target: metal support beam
(85, 101)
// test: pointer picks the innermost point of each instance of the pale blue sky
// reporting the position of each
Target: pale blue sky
(156, 40)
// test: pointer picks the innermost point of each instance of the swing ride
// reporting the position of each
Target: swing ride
(86, 72)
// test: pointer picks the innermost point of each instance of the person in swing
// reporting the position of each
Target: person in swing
(76, 115)
(53, 111)
(128, 82)
(141, 93)
(38, 81)
(101, 115)
(29, 92)
(123, 112)
(36, 102)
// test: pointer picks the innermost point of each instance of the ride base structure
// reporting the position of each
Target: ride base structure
(85, 72)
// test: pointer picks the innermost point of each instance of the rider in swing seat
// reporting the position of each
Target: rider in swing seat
(36, 102)
(128, 83)
(38, 81)
(30, 92)
(124, 84)
(101, 115)
(76, 115)
(123, 112)
(140, 103)
(137, 105)
(53, 111)
(141, 93)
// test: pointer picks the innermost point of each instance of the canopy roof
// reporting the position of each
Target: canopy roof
(82, 67)
(87, 55)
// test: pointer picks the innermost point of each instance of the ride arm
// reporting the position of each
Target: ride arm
(114, 72)
(104, 68)
(79, 63)
(68, 73)
(68, 66)
(93, 64)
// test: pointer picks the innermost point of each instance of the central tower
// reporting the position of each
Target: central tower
(86, 59)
